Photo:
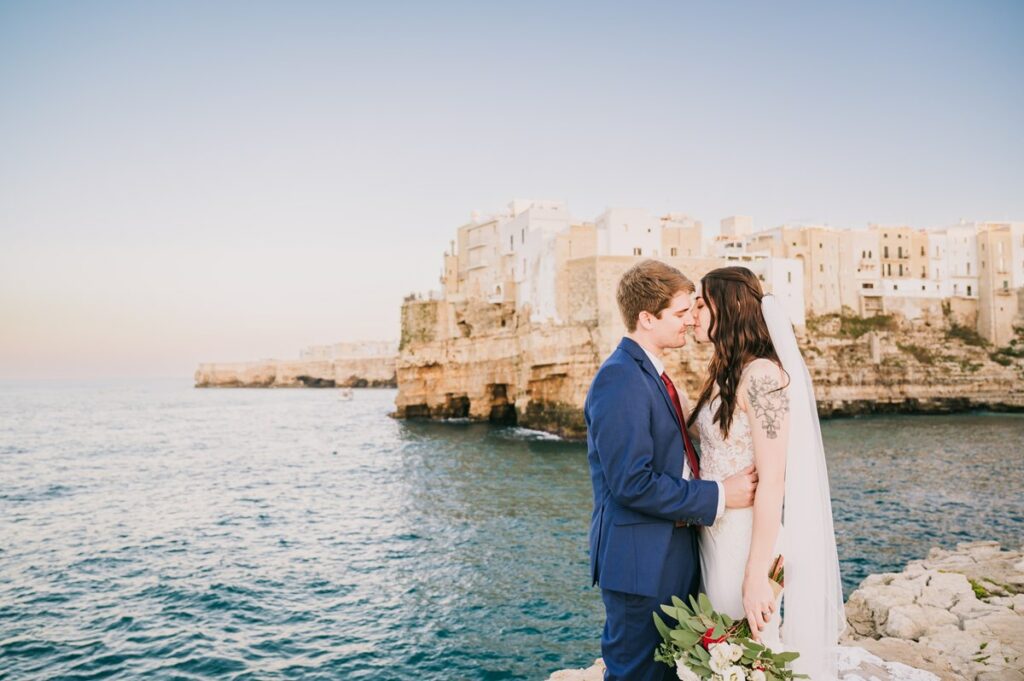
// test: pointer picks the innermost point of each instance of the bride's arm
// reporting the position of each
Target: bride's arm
(767, 408)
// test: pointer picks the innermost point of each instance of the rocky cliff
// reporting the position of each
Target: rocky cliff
(375, 372)
(486, 362)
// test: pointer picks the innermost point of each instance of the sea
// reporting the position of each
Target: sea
(151, 530)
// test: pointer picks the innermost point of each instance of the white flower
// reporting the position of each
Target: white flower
(719, 661)
(685, 673)
(735, 652)
(756, 675)
(734, 673)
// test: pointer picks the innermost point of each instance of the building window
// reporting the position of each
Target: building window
(922, 250)
(922, 287)
(1006, 285)
(885, 252)
(924, 273)
(867, 285)
(821, 268)
(673, 251)
(638, 251)
(522, 235)
(968, 271)
(968, 289)
(821, 245)
(899, 252)
(901, 270)
(789, 277)
(511, 242)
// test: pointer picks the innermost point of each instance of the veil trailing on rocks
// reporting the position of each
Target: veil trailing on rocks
(813, 597)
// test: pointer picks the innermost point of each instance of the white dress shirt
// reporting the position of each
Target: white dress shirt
(659, 366)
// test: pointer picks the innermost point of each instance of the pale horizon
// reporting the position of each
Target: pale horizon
(219, 183)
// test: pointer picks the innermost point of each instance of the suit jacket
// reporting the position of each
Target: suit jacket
(635, 451)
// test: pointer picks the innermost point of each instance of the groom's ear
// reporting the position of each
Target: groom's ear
(644, 319)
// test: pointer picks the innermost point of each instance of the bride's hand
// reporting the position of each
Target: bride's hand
(758, 603)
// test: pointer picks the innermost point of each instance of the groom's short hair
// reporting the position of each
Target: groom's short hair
(649, 285)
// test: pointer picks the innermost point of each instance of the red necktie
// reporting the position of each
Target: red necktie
(691, 454)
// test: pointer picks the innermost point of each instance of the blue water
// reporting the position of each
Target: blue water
(153, 530)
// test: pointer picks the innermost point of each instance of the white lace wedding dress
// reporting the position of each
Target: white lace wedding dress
(725, 545)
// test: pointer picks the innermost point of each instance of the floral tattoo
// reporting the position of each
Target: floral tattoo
(770, 404)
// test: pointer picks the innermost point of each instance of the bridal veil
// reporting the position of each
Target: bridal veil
(814, 616)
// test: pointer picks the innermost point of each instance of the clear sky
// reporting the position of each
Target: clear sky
(217, 181)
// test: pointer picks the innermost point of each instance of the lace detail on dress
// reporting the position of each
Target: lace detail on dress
(721, 457)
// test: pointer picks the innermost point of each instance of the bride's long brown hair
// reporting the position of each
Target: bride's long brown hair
(739, 334)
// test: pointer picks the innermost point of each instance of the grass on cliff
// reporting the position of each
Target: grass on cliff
(1013, 350)
(965, 335)
(922, 354)
(851, 325)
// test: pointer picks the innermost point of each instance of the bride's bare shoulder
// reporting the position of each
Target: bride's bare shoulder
(760, 367)
(762, 372)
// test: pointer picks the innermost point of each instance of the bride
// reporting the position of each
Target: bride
(757, 407)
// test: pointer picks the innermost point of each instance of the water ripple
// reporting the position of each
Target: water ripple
(152, 530)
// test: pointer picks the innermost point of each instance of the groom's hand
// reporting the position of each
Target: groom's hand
(740, 488)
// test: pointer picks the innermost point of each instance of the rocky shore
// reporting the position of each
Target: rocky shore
(375, 372)
(955, 616)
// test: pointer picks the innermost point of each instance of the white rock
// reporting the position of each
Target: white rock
(913, 621)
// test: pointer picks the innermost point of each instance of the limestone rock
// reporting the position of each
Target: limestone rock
(963, 610)
(373, 372)
(470, 358)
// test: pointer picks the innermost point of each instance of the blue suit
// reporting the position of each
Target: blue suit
(637, 555)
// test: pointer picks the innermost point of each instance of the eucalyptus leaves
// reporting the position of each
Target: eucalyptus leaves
(709, 645)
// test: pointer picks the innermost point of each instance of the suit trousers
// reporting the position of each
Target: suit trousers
(630, 638)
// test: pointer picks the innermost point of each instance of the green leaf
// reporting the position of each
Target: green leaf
(702, 654)
(680, 606)
(685, 639)
(693, 603)
(705, 604)
(695, 625)
(670, 611)
(662, 628)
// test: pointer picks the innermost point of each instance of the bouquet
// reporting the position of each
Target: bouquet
(710, 645)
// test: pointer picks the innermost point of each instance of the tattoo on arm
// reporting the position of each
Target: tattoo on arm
(770, 404)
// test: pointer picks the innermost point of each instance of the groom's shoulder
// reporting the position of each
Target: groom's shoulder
(620, 365)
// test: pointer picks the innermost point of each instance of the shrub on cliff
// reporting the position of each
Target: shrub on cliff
(849, 325)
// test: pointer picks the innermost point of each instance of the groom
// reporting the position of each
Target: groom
(648, 498)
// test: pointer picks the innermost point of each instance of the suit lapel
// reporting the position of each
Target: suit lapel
(634, 350)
